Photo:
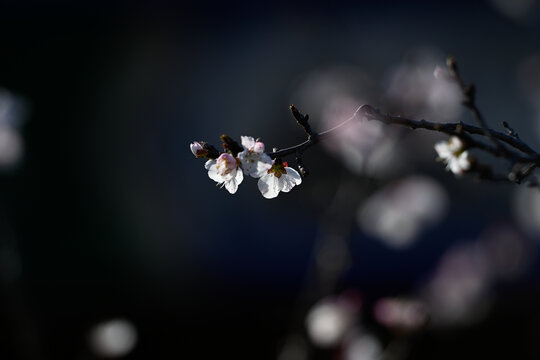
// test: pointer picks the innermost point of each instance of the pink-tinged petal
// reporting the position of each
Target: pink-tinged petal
(248, 142)
(268, 186)
(442, 73)
(258, 147)
(196, 147)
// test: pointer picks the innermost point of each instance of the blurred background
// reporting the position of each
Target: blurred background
(114, 243)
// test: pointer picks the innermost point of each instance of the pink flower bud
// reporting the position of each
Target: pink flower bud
(259, 147)
(197, 149)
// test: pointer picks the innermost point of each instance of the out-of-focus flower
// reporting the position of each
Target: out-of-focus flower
(332, 96)
(329, 320)
(11, 146)
(365, 147)
(528, 76)
(442, 73)
(413, 89)
(514, 9)
(278, 178)
(403, 315)
(508, 251)
(113, 338)
(295, 348)
(458, 292)
(363, 346)
(526, 210)
(255, 162)
(454, 155)
(197, 149)
(13, 110)
(398, 213)
(224, 170)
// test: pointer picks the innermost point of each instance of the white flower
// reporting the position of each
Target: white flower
(278, 178)
(453, 154)
(255, 162)
(224, 171)
(197, 149)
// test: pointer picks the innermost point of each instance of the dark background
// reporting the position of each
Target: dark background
(108, 215)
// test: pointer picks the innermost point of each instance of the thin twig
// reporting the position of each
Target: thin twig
(469, 93)
(459, 129)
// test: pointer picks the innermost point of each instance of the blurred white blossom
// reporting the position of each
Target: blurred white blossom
(514, 9)
(363, 346)
(405, 315)
(13, 111)
(415, 89)
(508, 252)
(528, 77)
(526, 209)
(452, 152)
(399, 212)
(333, 96)
(365, 147)
(459, 290)
(113, 338)
(329, 320)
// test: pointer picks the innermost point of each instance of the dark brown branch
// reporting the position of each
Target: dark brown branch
(458, 129)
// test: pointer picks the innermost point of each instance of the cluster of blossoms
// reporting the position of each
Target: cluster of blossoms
(228, 168)
(454, 155)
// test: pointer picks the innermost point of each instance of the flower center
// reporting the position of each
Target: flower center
(277, 170)
(226, 164)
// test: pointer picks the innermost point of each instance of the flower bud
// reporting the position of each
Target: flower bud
(197, 149)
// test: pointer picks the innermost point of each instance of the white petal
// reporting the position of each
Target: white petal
(268, 186)
(262, 166)
(455, 144)
(455, 167)
(239, 177)
(195, 146)
(464, 161)
(290, 179)
(209, 163)
(442, 150)
(242, 155)
(294, 175)
(248, 142)
(214, 174)
(285, 183)
(232, 185)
